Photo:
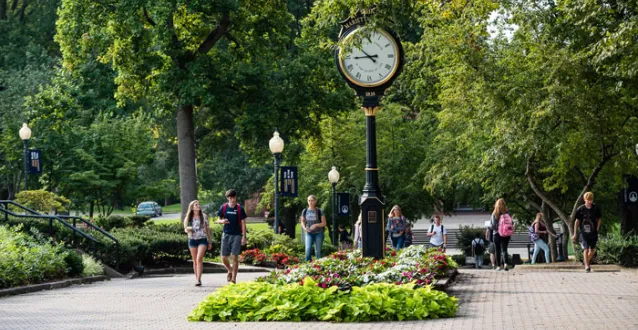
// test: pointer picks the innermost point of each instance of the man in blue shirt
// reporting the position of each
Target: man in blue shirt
(233, 217)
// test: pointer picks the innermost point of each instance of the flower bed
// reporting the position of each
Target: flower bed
(415, 264)
(259, 258)
(255, 301)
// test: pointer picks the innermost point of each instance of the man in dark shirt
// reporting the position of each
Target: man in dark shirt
(587, 219)
(233, 217)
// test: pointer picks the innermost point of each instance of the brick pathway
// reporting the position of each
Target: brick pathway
(489, 300)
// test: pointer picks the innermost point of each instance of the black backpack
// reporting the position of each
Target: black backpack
(479, 248)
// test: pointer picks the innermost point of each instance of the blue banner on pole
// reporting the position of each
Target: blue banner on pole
(343, 204)
(288, 183)
(35, 161)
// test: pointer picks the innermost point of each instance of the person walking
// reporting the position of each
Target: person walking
(437, 234)
(233, 217)
(588, 219)
(478, 249)
(538, 236)
(313, 222)
(345, 241)
(396, 227)
(358, 233)
(502, 229)
(198, 229)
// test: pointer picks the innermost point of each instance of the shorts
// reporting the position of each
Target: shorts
(589, 243)
(231, 244)
(193, 243)
(491, 248)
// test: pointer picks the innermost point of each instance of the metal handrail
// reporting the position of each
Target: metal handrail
(90, 224)
(59, 218)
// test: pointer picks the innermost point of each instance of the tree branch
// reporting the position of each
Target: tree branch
(214, 36)
(3, 9)
(148, 17)
(542, 195)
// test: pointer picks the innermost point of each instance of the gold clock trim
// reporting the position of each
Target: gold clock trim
(386, 79)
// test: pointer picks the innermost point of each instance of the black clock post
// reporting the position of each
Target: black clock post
(380, 58)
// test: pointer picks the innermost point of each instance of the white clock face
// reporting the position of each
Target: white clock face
(374, 63)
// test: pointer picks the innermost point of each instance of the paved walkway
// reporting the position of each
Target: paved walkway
(489, 300)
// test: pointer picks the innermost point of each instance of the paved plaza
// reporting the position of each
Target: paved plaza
(488, 300)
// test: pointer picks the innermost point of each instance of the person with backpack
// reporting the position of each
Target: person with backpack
(587, 219)
(396, 227)
(233, 217)
(358, 231)
(478, 249)
(313, 222)
(538, 231)
(437, 234)
(503, 229)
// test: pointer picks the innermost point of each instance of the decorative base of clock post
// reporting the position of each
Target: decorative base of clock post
(373, 220)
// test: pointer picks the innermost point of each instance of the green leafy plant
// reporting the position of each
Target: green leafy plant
(25, 259)
(42, 201)
(278, 248)
(91, 266)
(253, 301)
(74, 263)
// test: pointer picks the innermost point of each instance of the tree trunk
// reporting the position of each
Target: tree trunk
(186, 154)
(3, 9)
(547, 215)
(91, 209)
(566, 240)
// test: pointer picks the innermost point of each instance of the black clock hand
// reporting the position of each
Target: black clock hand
(370, 57)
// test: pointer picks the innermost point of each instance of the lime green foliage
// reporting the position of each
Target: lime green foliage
(91, 266)
(28, 260)
(278, 248)
(42, 201)
(250, 301)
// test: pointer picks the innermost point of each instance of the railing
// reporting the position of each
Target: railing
(59, 218)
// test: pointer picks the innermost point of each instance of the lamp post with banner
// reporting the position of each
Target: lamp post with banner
(276, 145)
(25, 135)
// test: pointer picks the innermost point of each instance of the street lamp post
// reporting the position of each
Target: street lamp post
(25, 135)
(333, 177)
(276, 145)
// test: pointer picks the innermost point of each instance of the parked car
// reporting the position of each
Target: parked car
(149, 208)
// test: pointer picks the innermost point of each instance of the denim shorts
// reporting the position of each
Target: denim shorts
(193, 243)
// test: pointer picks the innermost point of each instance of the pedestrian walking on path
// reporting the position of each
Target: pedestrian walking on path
(478, 249)
(233, 217)
(588, 219)
(313, 222)
(358, 231)
(502, 229)
(396, 227)
(438, 234)
(538, 236)
(198, 229)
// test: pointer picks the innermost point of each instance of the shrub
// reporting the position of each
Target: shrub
(465, 235)
(460, 259)
(278, 248)
(139, 220)
(614, 248)
(251, 301)
(74, 264)
(25, 259)
(284, 259)
(113, 221)
(91, 266)
(41, 201)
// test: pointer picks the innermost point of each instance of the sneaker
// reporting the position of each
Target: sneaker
(588, 269)
(498, 269)
(198, 284)
(506, 269)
